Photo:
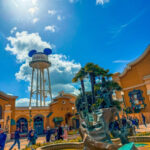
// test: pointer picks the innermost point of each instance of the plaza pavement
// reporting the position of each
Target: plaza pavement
(24, 142)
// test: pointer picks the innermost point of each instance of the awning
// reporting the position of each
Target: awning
(12, 122)
(49, 114)
(58, 119)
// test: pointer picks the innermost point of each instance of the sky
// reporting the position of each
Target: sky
(110, 33)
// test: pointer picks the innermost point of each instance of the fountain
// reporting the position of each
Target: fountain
(94, 127)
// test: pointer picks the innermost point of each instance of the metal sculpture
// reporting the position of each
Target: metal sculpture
(95, 125)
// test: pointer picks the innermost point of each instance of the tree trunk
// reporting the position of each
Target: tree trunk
(83, 90)
(92, 86)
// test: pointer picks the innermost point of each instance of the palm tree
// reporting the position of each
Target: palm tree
(92, 69)
(80, 75)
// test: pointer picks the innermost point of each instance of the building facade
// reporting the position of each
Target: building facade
(61, 110)
(135, 83)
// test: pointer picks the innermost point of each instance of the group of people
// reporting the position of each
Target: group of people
(60, 134)
(134, 120)
(126, 122)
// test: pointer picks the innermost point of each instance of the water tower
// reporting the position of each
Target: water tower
(40, 81)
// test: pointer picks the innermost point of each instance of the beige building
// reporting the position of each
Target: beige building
(61, 110)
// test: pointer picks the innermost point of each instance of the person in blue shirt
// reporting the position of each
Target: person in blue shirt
(32, 139)
(3, 137)
(29, 135)
(60, 133)
(48, 134)
(137, 122)
(124, 121)
(17, 139)
(144, 120)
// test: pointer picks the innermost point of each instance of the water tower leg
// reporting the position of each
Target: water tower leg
(43, 87)
(40, 87)
(50, 90)
(31, 92)
(37, 87)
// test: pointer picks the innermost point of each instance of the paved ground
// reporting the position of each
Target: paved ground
(42, 139)
(24, 142)
(143, 128)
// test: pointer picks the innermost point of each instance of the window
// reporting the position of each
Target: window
(137, 100)
(0, 112)
(63, 102)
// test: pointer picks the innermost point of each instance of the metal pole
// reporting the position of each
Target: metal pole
(43, 87)
(50, 90)
(37, 82)
(40, 88)
(31, 92)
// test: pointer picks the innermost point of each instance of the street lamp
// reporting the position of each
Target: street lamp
(73, 108)
(30, 108)
(122, 94)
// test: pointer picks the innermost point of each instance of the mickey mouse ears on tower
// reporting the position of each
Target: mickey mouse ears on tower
(31, 53)
(46, 51)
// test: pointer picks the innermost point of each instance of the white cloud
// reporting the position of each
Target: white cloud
(73, 1)
(34, 2)
(52, 12)
(59, 18)
(35, 20)
(13, 30)
(62, 70)
(101, 2)
(23, 42)
(121, 61)
(33, 10)
(50, 28)
(117, 30)
(24, 102)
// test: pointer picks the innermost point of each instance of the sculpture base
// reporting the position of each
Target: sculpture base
(96, 135)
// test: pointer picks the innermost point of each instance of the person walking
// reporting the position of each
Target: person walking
(48, 135)
(124, 121)
(17, 139)
(29, 135)
(60, 133)
(144, 120)
(137, 122)
(66, 132)
(32, 138)
(3, 137)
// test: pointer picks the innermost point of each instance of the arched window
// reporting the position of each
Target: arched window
(0, 112)
(22, 124)
(39, 124)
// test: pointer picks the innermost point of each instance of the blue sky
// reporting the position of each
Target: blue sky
(110, 33)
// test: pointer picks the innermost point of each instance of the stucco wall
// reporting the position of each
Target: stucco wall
(133, 77)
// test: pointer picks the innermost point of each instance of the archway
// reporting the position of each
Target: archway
(38, 124)
(22, 124)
